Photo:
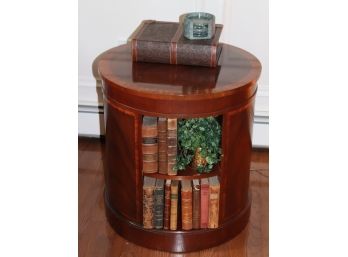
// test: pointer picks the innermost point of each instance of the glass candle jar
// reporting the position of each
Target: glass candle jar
(199, 25)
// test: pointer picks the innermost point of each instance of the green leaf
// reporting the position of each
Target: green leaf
(204, 133)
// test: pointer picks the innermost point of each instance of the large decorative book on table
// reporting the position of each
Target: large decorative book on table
(164, 42)
(147, 200)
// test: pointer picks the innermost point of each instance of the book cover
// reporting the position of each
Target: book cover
(186, 204)
(150, 127)
(159, 204)
(162, 145)
(150, 144)
(167, 200)
(172, 123)
(148, 202)
(171, 145)
(204, 202)
(164, 42)
(174, 204)
(150, 166)
(196, 204)
(214, 196)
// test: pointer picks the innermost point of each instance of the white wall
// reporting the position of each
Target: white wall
(107, 23)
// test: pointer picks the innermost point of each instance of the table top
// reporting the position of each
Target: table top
(237, 69)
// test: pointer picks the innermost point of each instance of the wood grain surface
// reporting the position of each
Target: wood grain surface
(97, 238)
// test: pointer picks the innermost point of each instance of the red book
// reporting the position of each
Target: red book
(204, 202)
(186, 204)
(166, 218)
(214, 196)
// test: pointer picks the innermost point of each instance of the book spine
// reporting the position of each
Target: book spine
(208, 53)
(148, 207)
(171, 46)
(176, 50)
(174, 205)
(171, 145)
(214, 192)
(204, 204)
(162, 145)
(150, 144)
(153, 51)
(167, 210)
(175, 53)
(186, 207)
(196, 207)
(185, 56)
(158, 205)
(135, 35)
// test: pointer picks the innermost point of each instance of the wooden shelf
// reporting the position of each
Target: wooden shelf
(187, 174)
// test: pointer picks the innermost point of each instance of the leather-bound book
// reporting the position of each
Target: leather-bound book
(162, 145)
(159, 204)
(150, 144)
(166, 223)
(204, 202)
(174, 190)
(164, 42)
(148, 202)
(196, 204)
(214, 196)
(186, 204)
(171, 145)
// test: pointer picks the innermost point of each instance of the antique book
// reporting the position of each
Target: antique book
(150, 127)
(171, 145)
(204, 202)
(148, 202)
(166, 223)
(214, 196)
(162, 145)
(186, 204)
(159, 204)
(174, 191)
(196, 204)
(150, 144)
(164, 42)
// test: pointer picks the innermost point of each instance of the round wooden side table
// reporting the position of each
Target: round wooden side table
(132, 90)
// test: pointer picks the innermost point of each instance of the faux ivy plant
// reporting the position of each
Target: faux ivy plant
(200, 136)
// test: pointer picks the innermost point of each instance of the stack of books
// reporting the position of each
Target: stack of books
(159, 145)
(186, 205)
(164, 42)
